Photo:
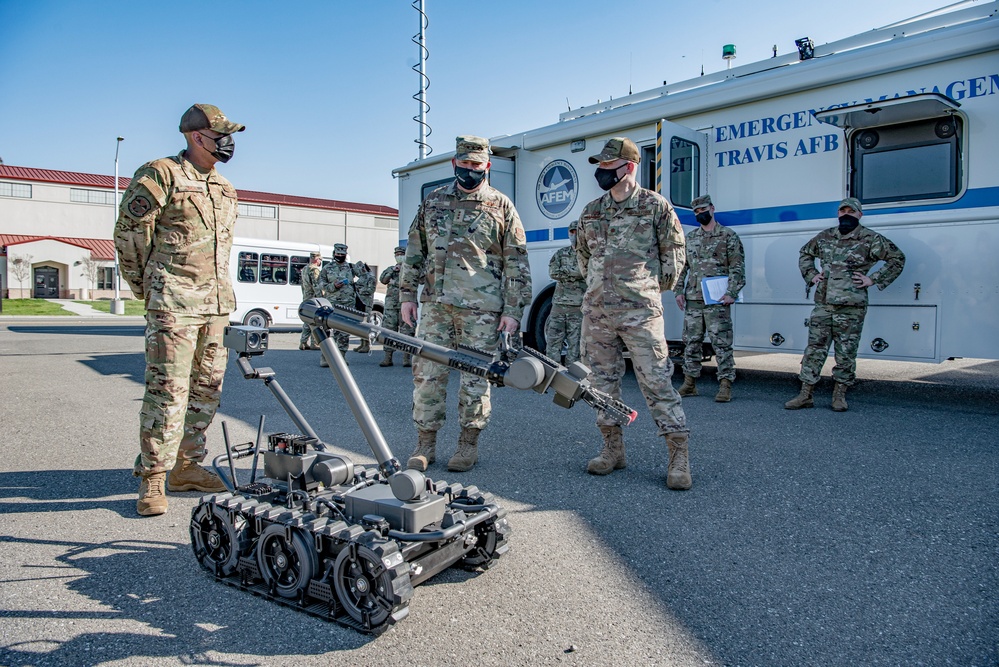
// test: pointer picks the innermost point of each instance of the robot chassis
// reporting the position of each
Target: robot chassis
(341, 541)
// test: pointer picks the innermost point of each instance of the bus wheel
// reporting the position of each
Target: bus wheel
(256, 318)
(376, 317)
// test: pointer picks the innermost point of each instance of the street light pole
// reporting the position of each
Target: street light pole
(117, 305)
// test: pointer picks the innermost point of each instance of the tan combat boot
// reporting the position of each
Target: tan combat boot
(468, 450)
(611, 457)
(387, 361)
(190, 476)
(839, 398)
(689, 386)
(407, 361)
(364, 347)
(724, 394)
(426, 451)
(152, 495)
(678, 470)
(803, 399)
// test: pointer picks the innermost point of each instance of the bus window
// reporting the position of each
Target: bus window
(297, 264)
(684, 164)
(274, 269)
(248, 267)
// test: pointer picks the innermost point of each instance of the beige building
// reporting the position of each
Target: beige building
(56, 229)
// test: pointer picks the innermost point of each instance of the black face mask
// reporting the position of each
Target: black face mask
(847, 223)
(225, 146)
(607, 178)
(703, 218)
(339, 259)
(469, 178)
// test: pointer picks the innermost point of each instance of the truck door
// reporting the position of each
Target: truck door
(678, 168)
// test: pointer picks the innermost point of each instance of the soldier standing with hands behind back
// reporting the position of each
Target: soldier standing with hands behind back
(174, 236)
(310, 290)
(630, 247)
(565, 322)
(393, 322)
(845, 253)
(712, 250)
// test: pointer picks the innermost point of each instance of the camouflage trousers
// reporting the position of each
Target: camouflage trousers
(565, 324)
(392, 321)
(605, 336)
(716, 321)
(185, 366)
(450, 326)
(341, 338)
(841, 325)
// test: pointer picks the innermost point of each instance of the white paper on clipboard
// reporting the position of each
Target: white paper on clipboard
(714, 288)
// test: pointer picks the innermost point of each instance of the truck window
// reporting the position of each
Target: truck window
(247, 267)
(684, 165)
(908, 161)
(427, 188)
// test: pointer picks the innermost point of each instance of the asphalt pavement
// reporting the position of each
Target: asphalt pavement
(809, 538)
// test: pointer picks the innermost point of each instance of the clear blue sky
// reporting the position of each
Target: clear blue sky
(325, 88)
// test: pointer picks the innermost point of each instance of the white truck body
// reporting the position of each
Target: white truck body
(905, 118)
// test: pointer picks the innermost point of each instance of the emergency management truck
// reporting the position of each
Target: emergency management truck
(905, 118)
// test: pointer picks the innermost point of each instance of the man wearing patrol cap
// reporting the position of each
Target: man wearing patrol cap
(630, 246)
(173, 236)
(565, 320)
(390, 278)
(712, 251)
(310, 290)
(469, 240)
(845, 253)
(336, 283)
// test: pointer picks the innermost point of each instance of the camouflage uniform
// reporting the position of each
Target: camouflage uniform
(365, 285)
(840, 307)
(630, 252)
(336, 283)
(474, 251)
(173, 236)
(566, 320)
(710, 253)
(392, 320)
(310, 290)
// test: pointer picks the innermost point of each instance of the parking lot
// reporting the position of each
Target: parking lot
(809, 538)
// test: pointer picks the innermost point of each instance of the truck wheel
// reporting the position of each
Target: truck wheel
(536, 331)
(256, 318)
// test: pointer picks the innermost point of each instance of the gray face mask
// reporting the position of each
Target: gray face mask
(225, 146)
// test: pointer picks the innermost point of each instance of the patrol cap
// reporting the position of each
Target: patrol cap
(399, 250)
(208, 117)
(469, 147)
(618, 147)
(340, 249)
(853, 203)
(573, 225)
(314, 254)
(701, 202)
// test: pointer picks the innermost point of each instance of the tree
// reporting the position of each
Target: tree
(20, 266)
(91, 270)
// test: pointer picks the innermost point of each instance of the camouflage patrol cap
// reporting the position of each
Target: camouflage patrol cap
(399, 250)
(853, 203)
(208, 117)
(701, 202)
(618, 147)
(314, 254)
(472, 148)
(573, 225)
(340, 249)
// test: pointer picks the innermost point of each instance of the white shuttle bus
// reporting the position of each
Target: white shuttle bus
(905, 118)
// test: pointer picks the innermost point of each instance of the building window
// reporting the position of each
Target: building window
(257, 211)
(908, 161)
(248, 267)
(274, 269)
(15, 190)
(105, 277)
(91, 196)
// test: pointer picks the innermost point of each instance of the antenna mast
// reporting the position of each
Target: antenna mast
(420, 39)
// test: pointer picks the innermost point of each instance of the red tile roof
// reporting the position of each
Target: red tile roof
(100, 181)
(99, 248)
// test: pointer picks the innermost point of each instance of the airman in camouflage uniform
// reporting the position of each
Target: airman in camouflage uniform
(468, 238)
(566, 320)
(845, 254)
(630, 247)
(173, 236)
(365, 287)
(336, 283)
(712, 250)
(310, 290)
(390, 278)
